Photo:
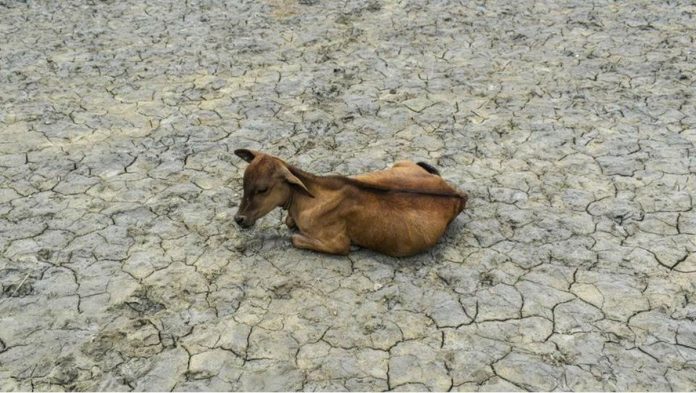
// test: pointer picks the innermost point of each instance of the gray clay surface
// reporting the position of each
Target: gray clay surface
(570, 124)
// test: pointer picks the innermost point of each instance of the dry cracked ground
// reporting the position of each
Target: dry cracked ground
(572, 125)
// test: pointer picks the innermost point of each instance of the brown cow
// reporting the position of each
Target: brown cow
(399, 211)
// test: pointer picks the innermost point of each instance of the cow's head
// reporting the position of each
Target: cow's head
(268, 183)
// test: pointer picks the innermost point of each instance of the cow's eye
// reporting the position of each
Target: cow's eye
(262, 190)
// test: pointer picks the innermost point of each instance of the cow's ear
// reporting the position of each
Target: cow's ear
(295, 181)
(246, 154)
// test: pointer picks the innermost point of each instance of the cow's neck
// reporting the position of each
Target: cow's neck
(319, 186)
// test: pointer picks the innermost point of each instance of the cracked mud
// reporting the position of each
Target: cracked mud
(571, 126)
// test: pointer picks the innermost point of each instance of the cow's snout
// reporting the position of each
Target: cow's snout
(242, 221)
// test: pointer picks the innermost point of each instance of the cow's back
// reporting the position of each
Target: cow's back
(402, 210)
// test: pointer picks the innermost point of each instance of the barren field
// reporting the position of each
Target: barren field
(571, 124)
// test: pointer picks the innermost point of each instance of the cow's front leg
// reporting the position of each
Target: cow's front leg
(337, 245)
(290, 222)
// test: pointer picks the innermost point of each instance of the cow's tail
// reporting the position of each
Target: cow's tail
(463, 198)
(429, 168)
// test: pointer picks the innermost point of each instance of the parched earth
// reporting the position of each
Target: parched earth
(572, 126)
